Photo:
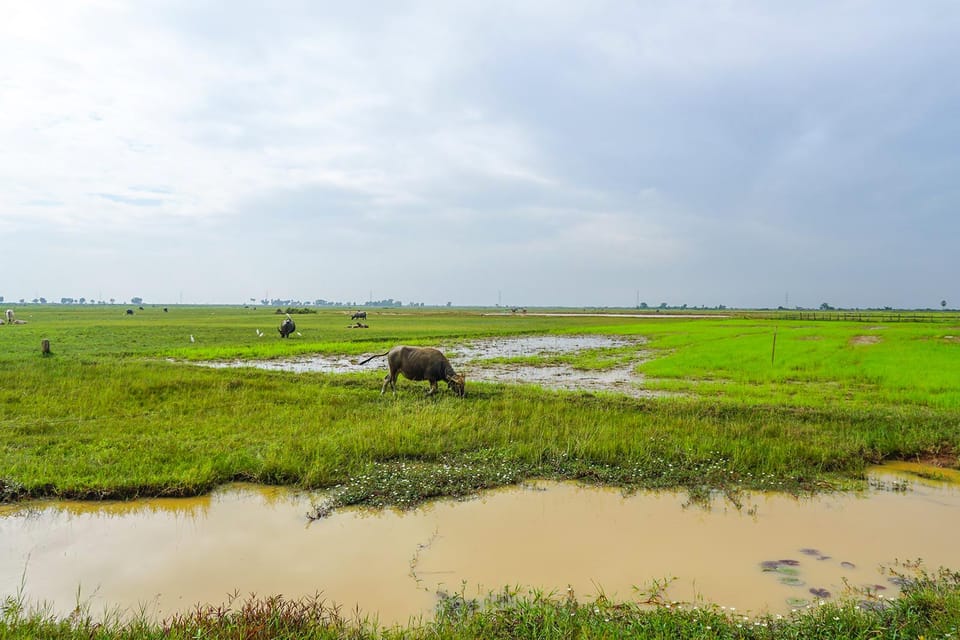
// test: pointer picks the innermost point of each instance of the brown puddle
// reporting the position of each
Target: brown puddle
(166, 555)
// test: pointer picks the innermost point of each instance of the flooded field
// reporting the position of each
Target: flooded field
(773, 554)
(474, 358)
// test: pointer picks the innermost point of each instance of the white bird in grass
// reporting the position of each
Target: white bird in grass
(299, 334)
(191, 338)
(259, 333)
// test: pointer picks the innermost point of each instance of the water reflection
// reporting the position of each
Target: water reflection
(774, 553)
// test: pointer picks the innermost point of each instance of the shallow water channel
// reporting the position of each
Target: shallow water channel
(772, 554)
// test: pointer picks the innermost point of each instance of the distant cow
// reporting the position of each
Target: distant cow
(10, 316)
(359, 315)
(420, 363)
(129, 312)
(287, 327)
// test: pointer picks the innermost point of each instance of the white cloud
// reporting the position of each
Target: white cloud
(588, 145)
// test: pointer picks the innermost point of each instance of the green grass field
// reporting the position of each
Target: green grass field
(119, 409)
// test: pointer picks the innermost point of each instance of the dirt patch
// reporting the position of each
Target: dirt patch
(954, 339)
(864, 340)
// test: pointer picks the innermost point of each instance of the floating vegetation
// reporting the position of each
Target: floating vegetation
(809, 552)
(819, 592)
(788, 571)
(769, 565)
(792, 581)
(789, 563)
(797, 602)
(848, 565)
(894, 486)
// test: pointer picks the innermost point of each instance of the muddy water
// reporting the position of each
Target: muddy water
(169, 554)
(472, 358)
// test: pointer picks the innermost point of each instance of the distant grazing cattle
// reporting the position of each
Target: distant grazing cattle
(359, 315)
(420, 363)
(129, 312)
(164, 309)
(10, 315)
(287, 327)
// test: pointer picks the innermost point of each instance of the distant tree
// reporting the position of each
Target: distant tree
(83, 300)
(1, 298)
(826, 307)
(943, 303)
(663, 305)
(112, 300)
(136, 300)
(644, 305)
(449, 304)
(43, 301)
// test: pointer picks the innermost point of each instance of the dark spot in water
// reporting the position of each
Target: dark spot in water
(848, 565)
(872, 605)
(809, 552)
(823, 558)
(877, 587)
(789, 563)
(820, 593)
(788, 571)
(900, 581)
(769, 565)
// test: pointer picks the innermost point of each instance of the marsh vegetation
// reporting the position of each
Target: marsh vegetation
(118, 409)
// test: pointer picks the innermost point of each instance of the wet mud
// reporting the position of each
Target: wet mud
(773, 554)
(474, 358)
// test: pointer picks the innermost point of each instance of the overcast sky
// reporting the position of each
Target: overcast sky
(530, 153)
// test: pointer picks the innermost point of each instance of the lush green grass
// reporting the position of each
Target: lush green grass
(929, 607)
(823, 364)
(116, 412)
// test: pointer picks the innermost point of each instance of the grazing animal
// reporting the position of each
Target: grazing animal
(359, 315)
(287, 327)
(420, 363)
(10, 316)
(129, 312)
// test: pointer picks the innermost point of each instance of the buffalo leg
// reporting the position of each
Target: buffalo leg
(389, 379)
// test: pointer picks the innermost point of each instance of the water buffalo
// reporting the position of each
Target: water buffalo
(359, 315)
(420, 363)
(287, 327)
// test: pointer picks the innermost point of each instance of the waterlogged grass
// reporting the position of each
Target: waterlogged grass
(116, 411)
(929, 607)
